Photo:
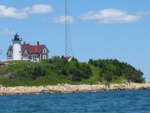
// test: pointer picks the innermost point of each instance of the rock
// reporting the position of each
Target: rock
(67, 88)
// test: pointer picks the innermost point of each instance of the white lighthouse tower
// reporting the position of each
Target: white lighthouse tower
(17, 54)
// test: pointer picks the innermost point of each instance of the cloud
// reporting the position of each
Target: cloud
(6, 32)
(61, 20)
(11, 12)
(39, 9)
(106, 16)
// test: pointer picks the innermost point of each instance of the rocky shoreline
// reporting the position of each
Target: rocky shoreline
(67, 88)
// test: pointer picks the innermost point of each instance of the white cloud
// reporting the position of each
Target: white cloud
(39, 9)
(110, 16)
(6, 32)
(11, 12)
(61, 20)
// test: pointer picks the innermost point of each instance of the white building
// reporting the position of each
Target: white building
(17, 47)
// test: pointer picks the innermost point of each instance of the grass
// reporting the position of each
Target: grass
(31, 74)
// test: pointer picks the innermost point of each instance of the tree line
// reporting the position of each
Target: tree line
(58, 70)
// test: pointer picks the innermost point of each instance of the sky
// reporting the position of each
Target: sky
(100, 29)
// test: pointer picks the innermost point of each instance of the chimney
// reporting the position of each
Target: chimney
(37, 43)
(24, 43)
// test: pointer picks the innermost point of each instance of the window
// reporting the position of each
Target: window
(34, 57)
(30, 57)
(44, 56)
(44, 50)
(10, 53)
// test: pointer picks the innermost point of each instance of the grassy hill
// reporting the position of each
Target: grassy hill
(58, 70)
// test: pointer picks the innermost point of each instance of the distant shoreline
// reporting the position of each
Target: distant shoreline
(68, 88)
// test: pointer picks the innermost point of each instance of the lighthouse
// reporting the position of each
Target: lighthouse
(17, 54)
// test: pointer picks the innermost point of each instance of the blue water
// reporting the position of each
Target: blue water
(93, 102)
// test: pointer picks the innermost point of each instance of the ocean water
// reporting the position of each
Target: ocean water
(127, 101)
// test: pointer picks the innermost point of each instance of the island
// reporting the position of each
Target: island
(58, 75)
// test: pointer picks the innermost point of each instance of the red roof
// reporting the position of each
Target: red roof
(2, 64)
(31, 48)
(68, 58)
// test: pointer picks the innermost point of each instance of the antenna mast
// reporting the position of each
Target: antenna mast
(68, 43)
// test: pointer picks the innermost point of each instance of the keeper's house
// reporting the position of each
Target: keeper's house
(28, 52)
